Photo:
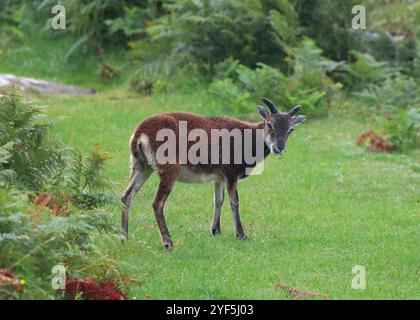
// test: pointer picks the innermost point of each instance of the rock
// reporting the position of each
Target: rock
(30, 85)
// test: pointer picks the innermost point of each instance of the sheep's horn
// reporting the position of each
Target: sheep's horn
(294, 110)
(270, 105)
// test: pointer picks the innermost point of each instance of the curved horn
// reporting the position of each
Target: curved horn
(294, 110)
(270, 105)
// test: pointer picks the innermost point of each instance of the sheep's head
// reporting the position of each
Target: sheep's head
(278, 125)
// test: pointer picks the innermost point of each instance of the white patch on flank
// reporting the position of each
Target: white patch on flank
(147, 150)
(133, 160)
(188, 176)
(131, 139)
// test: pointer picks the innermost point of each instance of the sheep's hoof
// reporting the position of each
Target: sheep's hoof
(167, 244)
(242, 236)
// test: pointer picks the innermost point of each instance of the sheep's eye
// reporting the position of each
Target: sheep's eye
(291, 130)
(270, 125)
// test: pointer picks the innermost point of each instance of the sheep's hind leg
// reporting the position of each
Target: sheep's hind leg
(140, 174)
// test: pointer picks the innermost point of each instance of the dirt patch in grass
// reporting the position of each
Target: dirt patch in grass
(296, 294)
(377, 143)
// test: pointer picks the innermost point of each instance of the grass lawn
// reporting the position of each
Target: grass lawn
(323, 208)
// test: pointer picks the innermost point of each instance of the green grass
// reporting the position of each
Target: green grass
(325, 207)
(45, 58)
(313, 215)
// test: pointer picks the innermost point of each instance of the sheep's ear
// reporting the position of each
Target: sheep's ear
(298, 119)
(263, 112)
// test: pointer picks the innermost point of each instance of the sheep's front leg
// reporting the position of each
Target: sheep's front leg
(234, 204)
(219, 195)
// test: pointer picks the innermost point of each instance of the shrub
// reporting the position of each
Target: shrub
(33, 241)
(10, 32)
(49, 197)
(35, 154)
(403, 129)
(7, 176)
(226, 69)
(395, 105)
(363, 71)
(307, 83)
(35, 159)
(206, 32)
(328, 23)
(399, 50)
(263, 81)
(94, 24)
(233, 100)
(397, 91)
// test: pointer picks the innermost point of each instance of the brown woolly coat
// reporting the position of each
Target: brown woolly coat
(150, 127)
